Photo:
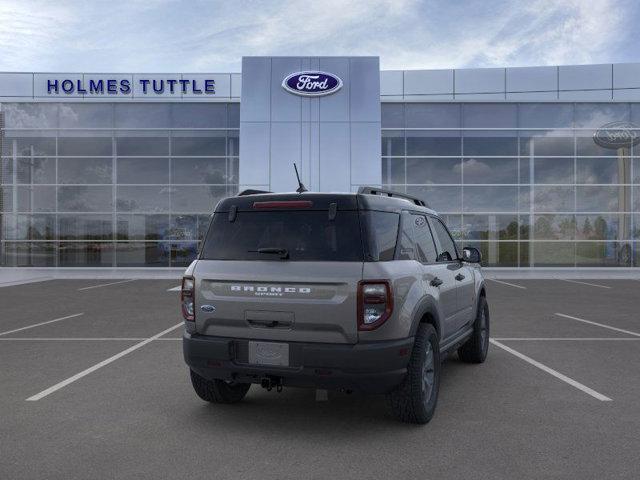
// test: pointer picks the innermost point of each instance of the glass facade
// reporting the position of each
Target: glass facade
(524, 182)
(108, 184)
(112, 184)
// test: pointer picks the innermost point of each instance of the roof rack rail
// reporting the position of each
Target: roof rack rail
(391, 193)
(251, 191)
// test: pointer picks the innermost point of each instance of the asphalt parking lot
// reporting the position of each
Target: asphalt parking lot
(93, 385)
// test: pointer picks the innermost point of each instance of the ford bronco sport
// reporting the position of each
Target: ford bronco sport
(355, 292)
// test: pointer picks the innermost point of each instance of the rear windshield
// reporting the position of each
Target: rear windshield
(305, 235)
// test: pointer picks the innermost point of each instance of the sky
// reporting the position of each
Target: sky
(212, 36)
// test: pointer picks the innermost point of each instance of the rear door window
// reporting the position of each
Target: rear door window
(305, 235)
(446, 247)
(406, 239)
(426, 248)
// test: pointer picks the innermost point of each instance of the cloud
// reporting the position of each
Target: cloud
(474, 167)
(534, 32)
(27, 31)
(167, 36)
(572, 31)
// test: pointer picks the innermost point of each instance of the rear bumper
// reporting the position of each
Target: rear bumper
(375, 367)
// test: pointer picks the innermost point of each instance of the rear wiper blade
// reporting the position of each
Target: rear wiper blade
(283, 252)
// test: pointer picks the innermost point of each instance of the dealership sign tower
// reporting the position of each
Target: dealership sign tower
(321, 112)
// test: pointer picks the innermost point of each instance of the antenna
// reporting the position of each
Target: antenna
(301, 188)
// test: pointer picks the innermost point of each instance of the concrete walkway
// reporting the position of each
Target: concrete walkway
(563, 273)
(16, 276)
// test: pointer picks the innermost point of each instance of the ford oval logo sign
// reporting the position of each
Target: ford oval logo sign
(312, 83)
(617, 135)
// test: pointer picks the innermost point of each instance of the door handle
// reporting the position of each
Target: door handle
(459, 277)
(436, 282)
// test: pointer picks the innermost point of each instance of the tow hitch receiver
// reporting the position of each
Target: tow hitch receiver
(269, 382)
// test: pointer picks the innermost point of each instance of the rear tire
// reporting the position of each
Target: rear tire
(475, 349)
(415, 399)
(218, 391)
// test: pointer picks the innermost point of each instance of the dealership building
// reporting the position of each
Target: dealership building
(535, 166)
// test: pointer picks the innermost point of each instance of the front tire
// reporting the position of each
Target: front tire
(415, 399)
(475, 349)
(218, 391)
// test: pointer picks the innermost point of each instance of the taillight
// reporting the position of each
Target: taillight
(375, 303)
(187, 294)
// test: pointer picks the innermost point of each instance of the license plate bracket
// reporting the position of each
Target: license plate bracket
(269, 353)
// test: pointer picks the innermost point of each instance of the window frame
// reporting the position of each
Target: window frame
(436, 242)
(433, 218)
(433, 240)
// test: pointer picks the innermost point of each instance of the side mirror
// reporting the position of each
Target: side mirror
(471, 255)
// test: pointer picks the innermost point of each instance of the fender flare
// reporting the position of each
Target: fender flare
(482, 287)
(427, 305)
(480, 290)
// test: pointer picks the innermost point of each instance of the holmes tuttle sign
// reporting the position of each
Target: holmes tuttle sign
(110, 86)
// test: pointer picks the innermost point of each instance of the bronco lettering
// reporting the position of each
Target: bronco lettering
(268, 290)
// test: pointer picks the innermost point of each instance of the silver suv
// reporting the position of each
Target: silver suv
(355, 292)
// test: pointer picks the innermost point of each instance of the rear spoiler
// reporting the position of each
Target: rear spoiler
(251, 191)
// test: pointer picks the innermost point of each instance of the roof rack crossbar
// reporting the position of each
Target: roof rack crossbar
(251, 191)
(391, 193)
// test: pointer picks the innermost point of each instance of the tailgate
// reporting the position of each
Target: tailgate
(278, 300)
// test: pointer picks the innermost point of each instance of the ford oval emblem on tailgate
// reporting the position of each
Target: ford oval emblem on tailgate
(207, 308)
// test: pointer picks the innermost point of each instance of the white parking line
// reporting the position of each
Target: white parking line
(41, 323)
(97, 339)
(70, 339)
(629, 332)
(175, 289)
(507, 283)
(553, 372)
(97, 366)
(106, 284)
(584, 283)
(558, 339)
(25, 281)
